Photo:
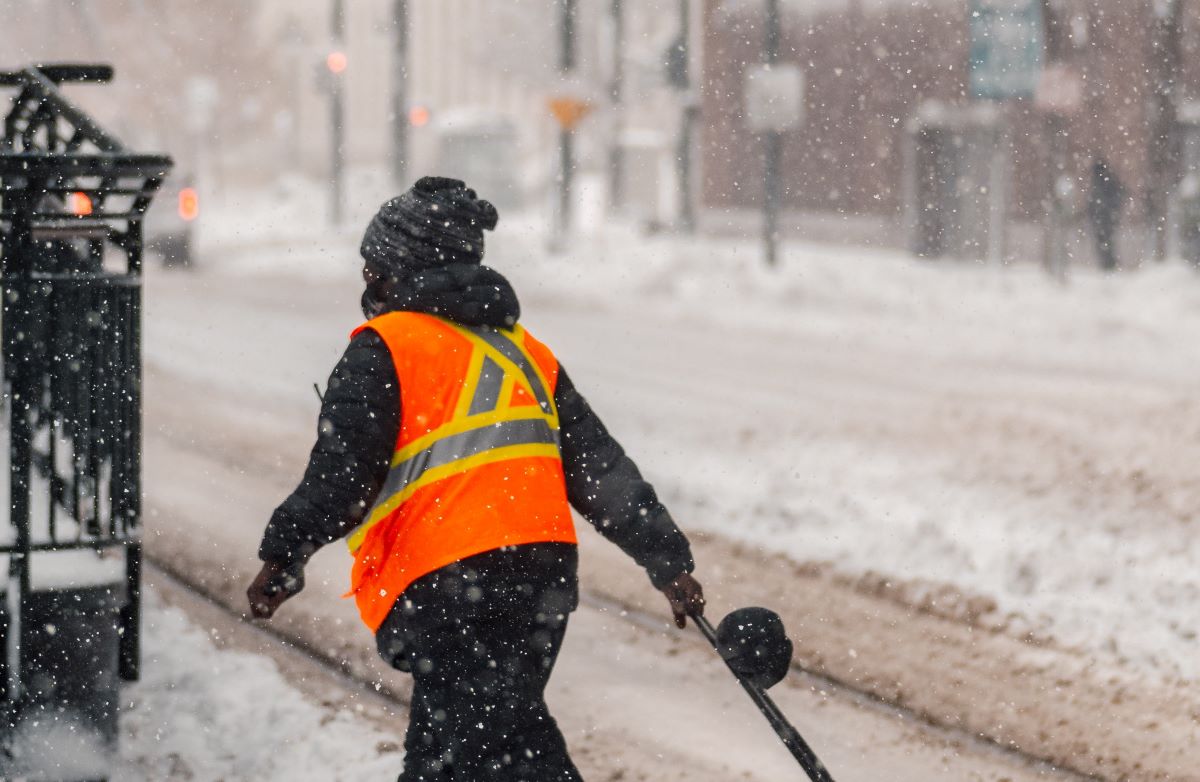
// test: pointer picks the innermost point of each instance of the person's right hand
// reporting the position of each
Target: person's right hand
(273, 585)
(686, 597)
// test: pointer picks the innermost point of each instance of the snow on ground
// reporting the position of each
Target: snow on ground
(206, 714)
(936, 422)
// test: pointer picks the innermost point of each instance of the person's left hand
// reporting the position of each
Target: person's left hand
(686, 597)
(273, 585)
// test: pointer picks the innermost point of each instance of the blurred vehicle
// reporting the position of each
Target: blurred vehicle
(171, 221)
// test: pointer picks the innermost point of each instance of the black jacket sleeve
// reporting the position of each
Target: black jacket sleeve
(356, 436)
(606, 487)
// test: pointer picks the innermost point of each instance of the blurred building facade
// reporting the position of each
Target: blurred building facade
(243, 89)
(873, 67)
(485, 70)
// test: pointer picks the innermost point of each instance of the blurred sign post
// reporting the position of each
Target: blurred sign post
(774, 98)
(336, 63)
(569, 112)
(400, 118)
(679, 56)
(1059, 94)
(774, 95)
(1005, 63)
(774, 103)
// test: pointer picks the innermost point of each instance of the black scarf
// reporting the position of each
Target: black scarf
(465, 293)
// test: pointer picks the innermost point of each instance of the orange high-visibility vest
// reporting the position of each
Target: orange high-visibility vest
(477, 463)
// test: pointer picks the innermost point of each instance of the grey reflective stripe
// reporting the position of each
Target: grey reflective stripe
(514, 354)
(487, 392)
(526, 431)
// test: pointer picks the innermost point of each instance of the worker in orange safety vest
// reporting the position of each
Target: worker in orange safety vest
(451, 447)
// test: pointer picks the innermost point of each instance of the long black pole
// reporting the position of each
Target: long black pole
(616, 154)
(791, 737)
(566, 148)
(566, 164)
(772, 145)
(566, 52)
(400, 94)
(337, 104)
(15, 276)
(687, 206)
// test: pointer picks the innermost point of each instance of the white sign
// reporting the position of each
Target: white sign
(203, 97)
(774, 97)
(1059, 90)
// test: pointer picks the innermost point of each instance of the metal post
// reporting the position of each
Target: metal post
(16, 290)
(566, 151)
(400, 94)
(687, 202)
(772, 145)
(566, 146)
(616, 154)
(567, 32)
(998, 191)
(337, 118)
(908, 186)
(1165, 59)
(1054, 234)
(130, 660)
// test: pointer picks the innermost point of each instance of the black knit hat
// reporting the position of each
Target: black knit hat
(438, 221)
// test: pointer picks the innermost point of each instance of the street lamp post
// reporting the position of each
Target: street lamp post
(687, 120)
(772, 145)
(336, 62)
(616, 155)
(400, 93)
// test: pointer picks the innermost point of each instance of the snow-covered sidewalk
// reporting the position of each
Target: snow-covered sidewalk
(209, 709)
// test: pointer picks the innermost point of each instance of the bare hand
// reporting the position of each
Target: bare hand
(273, 585)
(686, 597)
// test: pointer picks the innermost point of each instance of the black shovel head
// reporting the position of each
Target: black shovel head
(754, 644)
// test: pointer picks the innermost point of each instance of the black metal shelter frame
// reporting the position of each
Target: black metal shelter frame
(72, 202)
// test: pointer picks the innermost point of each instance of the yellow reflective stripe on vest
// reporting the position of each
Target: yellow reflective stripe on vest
(472, 442)
(509, 352)
(470, 383)
(484, 429)
(464, 424)
(518, 339)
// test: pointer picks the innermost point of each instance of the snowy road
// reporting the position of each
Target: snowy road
(224, 443)
(967, 490)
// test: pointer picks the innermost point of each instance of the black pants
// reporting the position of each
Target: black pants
(480, 638)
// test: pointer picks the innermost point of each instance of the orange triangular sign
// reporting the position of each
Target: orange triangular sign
(569, 111)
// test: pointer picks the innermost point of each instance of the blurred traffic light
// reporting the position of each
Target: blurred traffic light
(336, 62)
(80, 204)
(189, 204)
(418, 116)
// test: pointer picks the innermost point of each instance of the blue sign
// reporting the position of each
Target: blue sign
(1006, 48)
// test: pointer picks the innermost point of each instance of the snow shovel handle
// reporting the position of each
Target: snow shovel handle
(791, 737)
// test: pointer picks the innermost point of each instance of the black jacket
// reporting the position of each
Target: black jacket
(356, 435)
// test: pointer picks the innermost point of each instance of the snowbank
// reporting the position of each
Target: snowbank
(201, 713)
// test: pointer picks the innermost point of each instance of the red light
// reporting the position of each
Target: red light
(418, 116)
(336, 62)
(189, 204)
(80, 204)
